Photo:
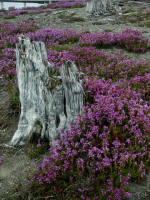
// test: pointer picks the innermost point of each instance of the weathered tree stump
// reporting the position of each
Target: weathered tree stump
(50, 98)
(100, 7)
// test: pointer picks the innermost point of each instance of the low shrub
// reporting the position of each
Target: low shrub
(129, 39)
(108, 144)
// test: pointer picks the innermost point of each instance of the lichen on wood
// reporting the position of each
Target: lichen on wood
(50, 98)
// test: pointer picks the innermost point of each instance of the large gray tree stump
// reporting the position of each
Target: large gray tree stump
(100, 7)
(50, 98)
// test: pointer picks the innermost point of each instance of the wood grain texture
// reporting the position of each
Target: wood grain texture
(50, 98)
(100, 7)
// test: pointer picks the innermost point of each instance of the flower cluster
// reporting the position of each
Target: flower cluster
(110, 141)
(130, 39)
(91, 61)
(14, 13)
(97, 39)
(8, 68)
(9, 33)
(66, 4)
(50, 36)
(142, 85)
(94, 62)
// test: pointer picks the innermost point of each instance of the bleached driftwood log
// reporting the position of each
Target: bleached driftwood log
(100, 7)
(50, 98)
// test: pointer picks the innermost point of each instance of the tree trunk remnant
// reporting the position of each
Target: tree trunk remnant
(50, 98)
(100, 7)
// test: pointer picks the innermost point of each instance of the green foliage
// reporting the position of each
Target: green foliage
(61, 48)
(133, 19)
(140, 17)
(14, 101)
(71, 40)
(74, 19)
(75, 6)
(108, 30)
(97, 23)
(128, 10)
(70, 18)
(147, 23)
(9, 16)
(33, 150)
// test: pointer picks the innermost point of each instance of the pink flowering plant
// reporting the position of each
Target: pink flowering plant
(132, 40)
(129, 39)
(66, 4)
(108, 145)
(8, 68)
(142, 85)
(94, 62)
(13, 12)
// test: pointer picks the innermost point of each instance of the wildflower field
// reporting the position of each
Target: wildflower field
(109, 145)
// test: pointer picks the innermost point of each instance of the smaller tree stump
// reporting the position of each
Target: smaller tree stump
(100, 7)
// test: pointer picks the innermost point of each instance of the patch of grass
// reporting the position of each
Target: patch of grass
(78, 6)
(9, 16)
(71, 40)
(138, 17)
(70, 7)
(108, 30)
(73, 19)
(15, 102)
(86, 31)
(147, 24)
(129, 10)
(62, 15)
(20, 189)
(133, 19)
(141, 24)
(34, 150)
(97, 23)
(70, 18)
(60, 48)
(123, 19)
(3, 10)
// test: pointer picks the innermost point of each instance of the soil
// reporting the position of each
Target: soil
(16, 164)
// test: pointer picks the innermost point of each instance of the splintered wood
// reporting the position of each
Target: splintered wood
(50, 98)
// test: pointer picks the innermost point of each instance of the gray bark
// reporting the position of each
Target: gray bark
(100, 7)
(50, 98)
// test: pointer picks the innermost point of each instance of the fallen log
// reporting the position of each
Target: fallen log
(50, 98)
